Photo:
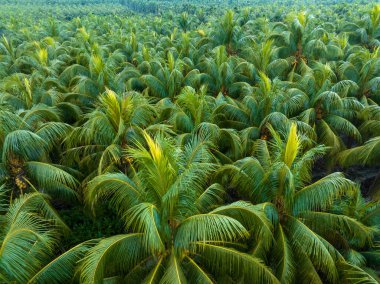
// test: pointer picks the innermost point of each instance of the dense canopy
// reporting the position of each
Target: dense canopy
(189, 142)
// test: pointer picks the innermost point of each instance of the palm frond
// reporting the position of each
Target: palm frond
(284, 258)
(121, 191)
(208, 227)
(251, 216)
(121, 252)
(24, 144)
(354, 274)
(62, 268)
(304, 239)
(228, 260)
(368, 154)
(324, 223)
(53, 179)
(321, 194)
(174, 272)
(145, 218)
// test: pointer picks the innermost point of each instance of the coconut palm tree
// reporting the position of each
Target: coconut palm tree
(362, 67)
(221, 74)
(25, 162)
(29, 232)
(307, 230)
(97, 145)
(209, 132)
(367, 213)
(179, 229)
(329, 108)
(367, 30)
(228, 32)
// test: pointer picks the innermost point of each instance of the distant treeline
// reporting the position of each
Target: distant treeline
(139, 4)
(76, 8)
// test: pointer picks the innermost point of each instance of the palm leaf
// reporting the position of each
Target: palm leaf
(208, 227)
(145, 218)
(304, 239)
(121, 252)
(196, 273)
(173, 273)
(368, 154)
(121, 191)
(283, 255)
(292, 146)
(354, 275)
(62, 268)
(324, 223)
(24, 144)
(52, 179)
(228, 260)
(251, 216)
(322, 193)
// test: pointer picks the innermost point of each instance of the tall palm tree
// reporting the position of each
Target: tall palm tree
(177, 229)
(307, 230)
(362, 68)
(25, 164)
(29, 232)
(329, 108)
(228, 32)
(97, 144)
(220, 74)
(367, 30)
(205, 130)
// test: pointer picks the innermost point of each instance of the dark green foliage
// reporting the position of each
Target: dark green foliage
(189, 141)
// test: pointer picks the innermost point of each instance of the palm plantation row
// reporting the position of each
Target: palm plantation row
(217, 140)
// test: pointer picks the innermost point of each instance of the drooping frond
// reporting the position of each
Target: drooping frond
(208, 227)
(251, 216)
(35, 203)
(228, 260)
(62, 268)
(117, 187)
(24, 144)
(174, 272)
(197, 273)
(121, 252)
(322, 193)
(368, 154)
(211, 196)
(354, 275)
(324, 223)
(52, 179)
(284, 259)
(28, 241)
(54, 132)
(304, 239)
(145, 218)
